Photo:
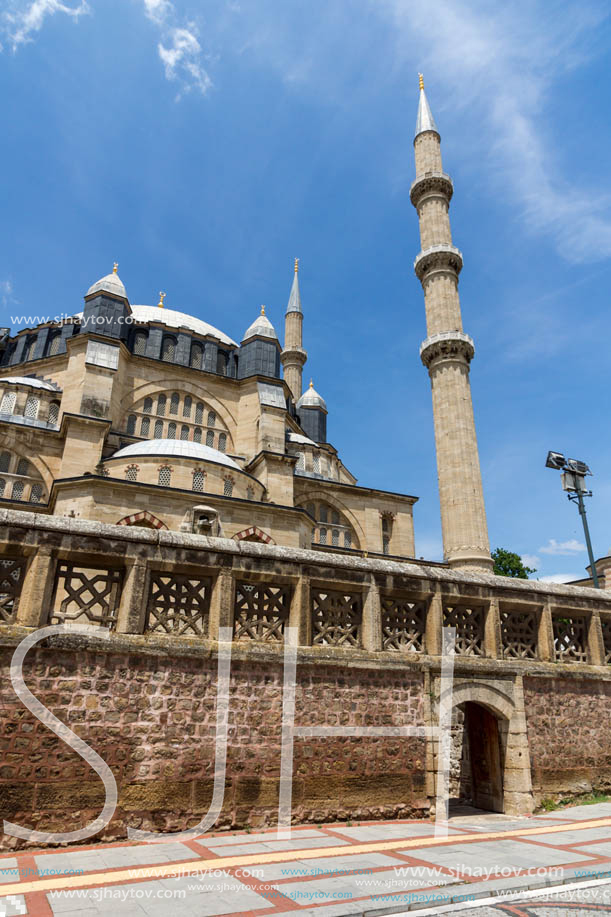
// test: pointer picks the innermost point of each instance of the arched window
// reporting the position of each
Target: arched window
(184, 432)
(131, 423)
(385, 544)
(161, 400)
(53, 343)
(23, 467)
(165, 476)
(300, 466)
(186, 407)
(145, 426)
(7, 405)
(335, 538)
(30, 347)
(316, 464)
(199, 412)
(311, 509)
(323, 513)
(147, 407)
(250, 494)
(222, 442)
(158, 429)
(210, 438)
(211, 419)
(131, 473)
(36, 493)
(53, 415)
(197, 435)
(174, 400)
(197, 356)
(18, 490)
(2, 486)
(228, 487)
(335, 517)
(5, 461)
(221, 363)
(386, 533)
(172, 431)
(347, 540)
(198, 480)
(140, 343)
(323, 536)
(168, 349)
(31, 407)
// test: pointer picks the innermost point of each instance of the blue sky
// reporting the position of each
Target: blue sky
(205, 145)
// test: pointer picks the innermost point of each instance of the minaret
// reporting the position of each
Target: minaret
(294, 356)
(447, 353)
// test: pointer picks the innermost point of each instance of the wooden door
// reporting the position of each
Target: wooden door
(485, 754)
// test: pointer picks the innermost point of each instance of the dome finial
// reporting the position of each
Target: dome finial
(115, 267)
(262, 310)
(311, 383)
(421, 80)
(296, 265)
(162, 296)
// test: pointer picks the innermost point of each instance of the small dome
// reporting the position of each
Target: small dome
(311, 399)
(30, 380)
(261, 326)
(112, 283)
(177, 448)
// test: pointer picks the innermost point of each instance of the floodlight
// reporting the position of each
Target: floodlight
(555, 460)
(578, 467)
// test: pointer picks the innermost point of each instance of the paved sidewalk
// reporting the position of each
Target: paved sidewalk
(331, 871)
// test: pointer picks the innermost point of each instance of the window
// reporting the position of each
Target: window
(158, 429)
(323, 536)
(386, 533)
(30, 347)
(385, 544)
(335, 538)
(250, 494)
(2, 486)
(300, 466)
(7, 405)
(53, 348)
(323, 513)
(197, 356)
(31, 407)
(222, 442)
(147, 407)
(311, 509)
(186, 408)
(199, 412)
(23, 467)
(165, 476)
(172, 431)
(145, 426)
(210, 438)
(316, 464)
(140, 343)
(131, 473)
(168, 349)
(174, 400)
(335, 517)
(211, 419)
(5, 461)
(184, 432)
(221, 363)
(53, 415)
(347, 540)
(197, 435)
(18, 490)
(198, 480)
(228, 488)
(161, 405)
(131, 423)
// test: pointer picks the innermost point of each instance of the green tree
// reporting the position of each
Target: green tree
(506, 563)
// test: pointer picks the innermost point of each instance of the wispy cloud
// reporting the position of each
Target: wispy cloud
(179, 48)
(6, 293)
(531, 560)
(565, 548)
(20, 23)
(562, 577)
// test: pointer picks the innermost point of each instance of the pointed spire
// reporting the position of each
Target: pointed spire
(294, 304)
(425, 120)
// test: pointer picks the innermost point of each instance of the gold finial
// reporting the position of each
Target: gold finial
(262, 310)
(162, 296)
(421, 80)
(115, 267)
(296, 265)
(311, 384)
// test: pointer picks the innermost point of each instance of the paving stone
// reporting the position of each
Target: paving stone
(391, 832)
(243, 838)
(294, 844)
(110, 857)
(299, 869)
(573, 837)
(6, 865)
(11, 905)
(496, 855)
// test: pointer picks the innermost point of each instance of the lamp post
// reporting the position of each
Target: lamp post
(574, 483)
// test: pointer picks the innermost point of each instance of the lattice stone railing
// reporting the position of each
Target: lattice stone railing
(469, 623)
(86, 594)
(336, 618)
(570, 638)
(11, 580)
(403, 624)
(605, 621)
(519, 634)
(178, 604)
(261, 612)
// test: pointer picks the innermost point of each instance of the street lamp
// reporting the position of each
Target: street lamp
(574, 483)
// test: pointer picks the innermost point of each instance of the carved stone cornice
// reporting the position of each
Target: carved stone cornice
(438, 258)
(447, 345)
(431, 183)
(293, 356)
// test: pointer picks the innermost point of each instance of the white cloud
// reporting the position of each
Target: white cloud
(20, 25)
(563, 547)
(158, 10)
(181, 60)
(531, 560)
(562, 577)
(6, 292)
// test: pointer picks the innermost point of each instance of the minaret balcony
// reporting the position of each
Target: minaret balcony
(431, 183)
(438, 258)
(446, 345)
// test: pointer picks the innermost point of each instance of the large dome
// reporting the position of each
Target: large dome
(178, 448)
(174, 319)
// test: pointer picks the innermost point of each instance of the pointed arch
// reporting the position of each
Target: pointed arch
(253, 534)
(143, 518)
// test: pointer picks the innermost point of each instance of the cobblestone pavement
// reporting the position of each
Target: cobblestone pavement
(335, 870)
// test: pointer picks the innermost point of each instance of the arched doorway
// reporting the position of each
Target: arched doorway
(477, 765)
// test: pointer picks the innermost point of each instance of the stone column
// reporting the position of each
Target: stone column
(596, 643)
(34, 608)
(372, 619)
(545, 640)
(434, 625)
(492, 630)
(517, 782)
(300, 610)
(132, 607)
(221, 603)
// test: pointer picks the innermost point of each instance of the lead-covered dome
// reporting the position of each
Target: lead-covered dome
(174, 319)
(178, 449)
(261, 326)
(311, 399)
(111, 283)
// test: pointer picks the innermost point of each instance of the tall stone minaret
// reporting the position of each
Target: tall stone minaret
(294, 356)
(447, 353)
